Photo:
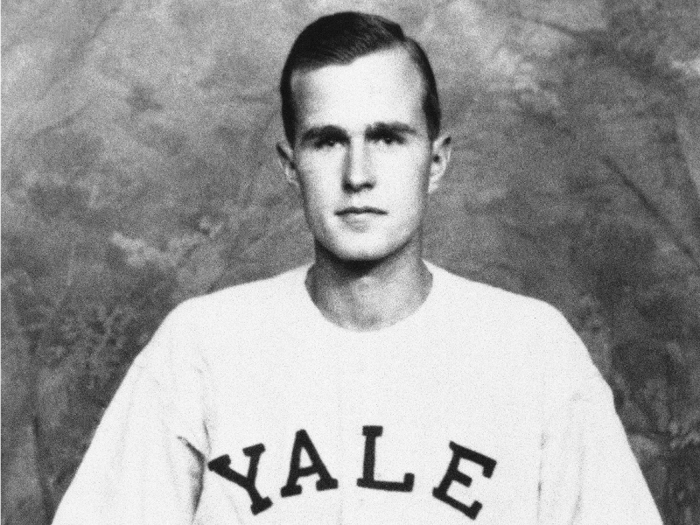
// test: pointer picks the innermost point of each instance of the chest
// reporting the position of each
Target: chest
(377, 434)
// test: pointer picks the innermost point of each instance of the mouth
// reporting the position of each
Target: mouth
(356, 211)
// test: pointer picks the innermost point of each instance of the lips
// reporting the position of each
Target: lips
(360, 210)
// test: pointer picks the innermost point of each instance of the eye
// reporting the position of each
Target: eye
(388, 138)
(326, 143)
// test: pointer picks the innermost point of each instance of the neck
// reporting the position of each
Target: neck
(368, 295)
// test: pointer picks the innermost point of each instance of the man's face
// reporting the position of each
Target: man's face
(362, 160)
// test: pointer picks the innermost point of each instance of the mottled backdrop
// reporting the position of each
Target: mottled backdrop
(139, 169)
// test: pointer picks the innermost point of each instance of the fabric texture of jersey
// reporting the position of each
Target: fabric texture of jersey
(249, 407)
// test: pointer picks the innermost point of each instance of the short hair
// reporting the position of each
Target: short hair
(343, 37)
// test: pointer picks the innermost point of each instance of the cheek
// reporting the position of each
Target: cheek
(316, 190)
(407, 178)
(318, 175)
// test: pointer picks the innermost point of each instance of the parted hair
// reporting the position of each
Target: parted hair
(343, 37)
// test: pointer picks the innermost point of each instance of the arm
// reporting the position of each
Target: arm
(589, 475)
(145, 462)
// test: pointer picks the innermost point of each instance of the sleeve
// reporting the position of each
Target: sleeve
(145, 463)
(589, 475)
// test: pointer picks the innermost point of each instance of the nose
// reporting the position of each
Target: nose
(358, 173)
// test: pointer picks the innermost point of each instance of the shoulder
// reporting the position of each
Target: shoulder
(200, 322)
(249, 299)
(524, 330)
(491, 305)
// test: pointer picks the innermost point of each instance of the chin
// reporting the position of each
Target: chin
(360, 256)
(365, 253)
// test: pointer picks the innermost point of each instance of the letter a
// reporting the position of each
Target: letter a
(440, 492)
(221, 464)
(292, 488)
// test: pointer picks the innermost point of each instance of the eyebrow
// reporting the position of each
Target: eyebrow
(323, 132)
(391, 128)
(373, 130)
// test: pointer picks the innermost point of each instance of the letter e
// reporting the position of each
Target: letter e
(453, 474)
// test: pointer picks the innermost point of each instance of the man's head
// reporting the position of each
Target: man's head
(343, 37)
(364, 149)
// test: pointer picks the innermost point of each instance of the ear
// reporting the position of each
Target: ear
(285, 155)
(441, 152)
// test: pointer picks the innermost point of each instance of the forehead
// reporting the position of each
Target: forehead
(384, 86)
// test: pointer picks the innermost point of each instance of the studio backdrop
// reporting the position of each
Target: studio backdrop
(139, 169)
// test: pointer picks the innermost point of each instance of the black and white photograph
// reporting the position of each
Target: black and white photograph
(329, 262)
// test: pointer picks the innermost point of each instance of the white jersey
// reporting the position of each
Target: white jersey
(249, 407)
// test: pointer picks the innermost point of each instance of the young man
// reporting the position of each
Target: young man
(370, 387)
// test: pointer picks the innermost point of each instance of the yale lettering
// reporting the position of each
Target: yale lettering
(221, 466)
(326, 481)
(367, 480)
(453, 475)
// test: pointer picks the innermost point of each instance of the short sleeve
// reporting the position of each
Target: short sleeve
(145, 462)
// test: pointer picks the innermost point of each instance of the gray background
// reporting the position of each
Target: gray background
(139, 170)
